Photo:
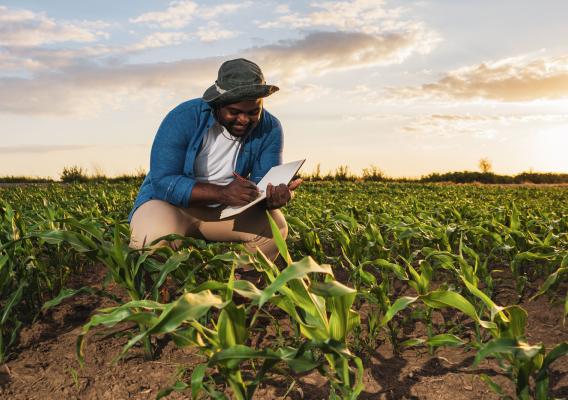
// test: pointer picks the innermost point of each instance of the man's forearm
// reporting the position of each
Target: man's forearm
(206, 193)
(237, 193)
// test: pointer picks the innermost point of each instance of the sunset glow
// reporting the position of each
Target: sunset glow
(551, 149)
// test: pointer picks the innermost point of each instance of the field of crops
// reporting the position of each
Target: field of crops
(384, 290)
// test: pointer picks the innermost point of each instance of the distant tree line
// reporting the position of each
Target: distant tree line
(74, 174)
(78, 174)
(341, 173)
(373, 173)
(490, 177)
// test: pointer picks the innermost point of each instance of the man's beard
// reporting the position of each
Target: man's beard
(240, 133)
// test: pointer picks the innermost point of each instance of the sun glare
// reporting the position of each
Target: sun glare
(551, 149)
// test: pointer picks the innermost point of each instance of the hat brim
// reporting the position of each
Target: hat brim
(248, 92)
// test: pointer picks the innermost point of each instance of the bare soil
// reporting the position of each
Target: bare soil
(44, 365)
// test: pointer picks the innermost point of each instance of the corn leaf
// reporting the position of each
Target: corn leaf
(400, 304)
(296, 270)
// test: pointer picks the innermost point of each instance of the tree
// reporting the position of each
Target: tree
(73, 174)
(485, 165)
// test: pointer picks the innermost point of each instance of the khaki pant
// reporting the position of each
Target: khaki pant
(157, 218)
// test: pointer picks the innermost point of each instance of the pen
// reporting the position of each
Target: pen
(240, 177)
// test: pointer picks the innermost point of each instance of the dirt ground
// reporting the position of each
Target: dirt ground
(44, 366)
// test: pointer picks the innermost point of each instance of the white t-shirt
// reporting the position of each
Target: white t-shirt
(217, 157)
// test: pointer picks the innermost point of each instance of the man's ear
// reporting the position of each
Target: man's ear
(215, 109)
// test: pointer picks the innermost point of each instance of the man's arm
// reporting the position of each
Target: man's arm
(237, 193)
(167, 159)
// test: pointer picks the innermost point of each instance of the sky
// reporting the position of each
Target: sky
(410, 87)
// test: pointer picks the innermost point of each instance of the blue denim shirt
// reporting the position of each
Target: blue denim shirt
(178, 140)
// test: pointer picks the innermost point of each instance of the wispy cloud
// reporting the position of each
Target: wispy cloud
(179, 14)
(220, 9)
(348, 34)
(159, 39)
(26, 28)
(479, 126)
(213, 32)
(518, 79)
(39, 149)
(38, 59)
(322, 52)
(89, 87)
(282, 9)
(370, 16)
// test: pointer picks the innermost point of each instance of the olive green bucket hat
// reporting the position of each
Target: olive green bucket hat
(238, 80)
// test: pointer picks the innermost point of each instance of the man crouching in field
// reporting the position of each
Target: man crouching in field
(201, 150)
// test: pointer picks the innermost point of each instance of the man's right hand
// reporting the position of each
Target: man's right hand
(239, 193)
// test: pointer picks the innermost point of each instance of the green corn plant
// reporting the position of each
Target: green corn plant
(226, 349)
(308, 235)
(222, 342)
(420, 281)
(16, 275)
(130, 269)
(11, 295)
(438, 299)
(322, 311)
(519, 259)
(379, 295)
(374, 287)
(29, 273)
(521, 361)
(553, 280)
(158, 318)
(523, 364)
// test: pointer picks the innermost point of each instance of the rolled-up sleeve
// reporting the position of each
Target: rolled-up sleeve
(270, 153)
(167, 159)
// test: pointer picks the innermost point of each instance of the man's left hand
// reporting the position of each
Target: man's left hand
(279, 196)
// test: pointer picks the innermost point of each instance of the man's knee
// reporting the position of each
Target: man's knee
(153, 221)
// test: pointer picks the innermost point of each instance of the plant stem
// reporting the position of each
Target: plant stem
(147, 343)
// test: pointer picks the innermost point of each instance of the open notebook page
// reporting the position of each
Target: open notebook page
(278, 174)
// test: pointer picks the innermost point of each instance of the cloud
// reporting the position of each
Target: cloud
(479, 126)
(159, 39)
(177, 15)
(518, 79)
(227, 8)
(89, 87)
(213, 32)
(36, 59)
(342, 34)
(502, 118)
(24, 28)
(39, 149)
(180, 13)
(370, 16)
(322, 52)
(282, 9)
(12, 62)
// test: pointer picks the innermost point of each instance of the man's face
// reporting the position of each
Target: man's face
(240, 118)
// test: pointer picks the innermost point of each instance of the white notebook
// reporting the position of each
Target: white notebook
(278, 174)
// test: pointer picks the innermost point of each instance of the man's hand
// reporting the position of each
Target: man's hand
(279, 196)
(239, 193)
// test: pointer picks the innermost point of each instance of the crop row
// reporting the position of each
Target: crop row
(401, 251)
